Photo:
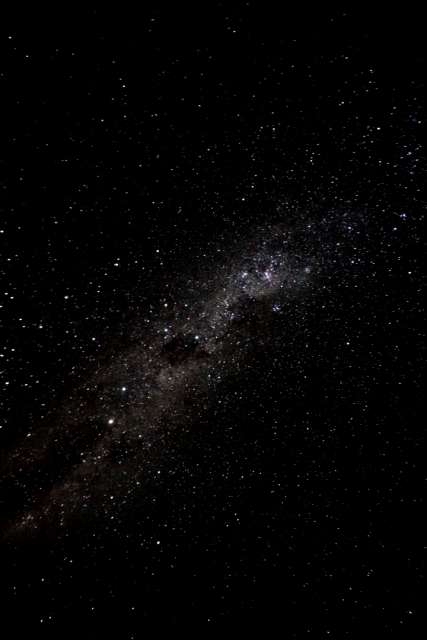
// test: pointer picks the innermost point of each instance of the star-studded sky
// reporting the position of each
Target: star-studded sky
(212, 321)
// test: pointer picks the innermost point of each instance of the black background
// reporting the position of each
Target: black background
(132, 143)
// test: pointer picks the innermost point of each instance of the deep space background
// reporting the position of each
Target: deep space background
(212, 321)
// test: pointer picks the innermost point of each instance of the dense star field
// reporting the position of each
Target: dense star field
(212, 316)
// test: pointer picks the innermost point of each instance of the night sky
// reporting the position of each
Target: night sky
(211, 242)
